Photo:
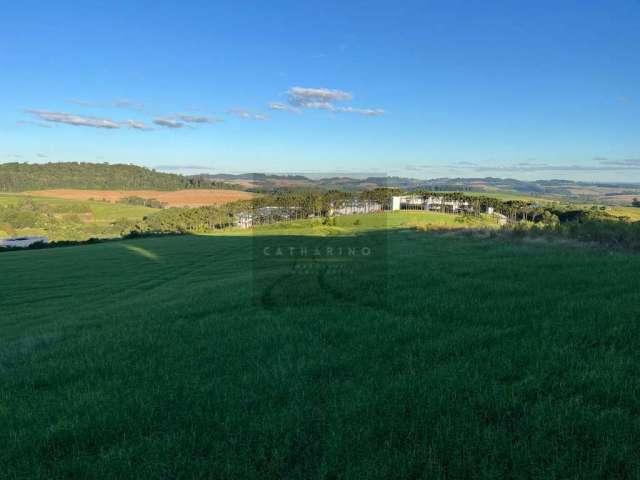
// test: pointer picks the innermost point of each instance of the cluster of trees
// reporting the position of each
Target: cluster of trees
(592, 226)
(635, 202)
(289, 205)
(17, 177)
(292, 205)
(142, 202)
(206, 181)
(28, 214)
(62, 222)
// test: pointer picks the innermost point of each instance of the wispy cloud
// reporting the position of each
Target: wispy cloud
(319, 106)
(325, 99)
(198, 119)
(601, 166)
(283, 107)
(167, 122)
(173, 121)
(75, 120)
(137, 125)
(128, 103)
(466, 164)
(240, 112)
(628, 162)
(304, 96)
(367, 112)
(41, 155)
(523, 167)
(82, 103)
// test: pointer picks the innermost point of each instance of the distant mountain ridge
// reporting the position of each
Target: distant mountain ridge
(562, 190)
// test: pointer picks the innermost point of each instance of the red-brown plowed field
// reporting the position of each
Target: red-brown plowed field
(178, 198)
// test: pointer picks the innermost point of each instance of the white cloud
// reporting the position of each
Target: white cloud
(167, 122)
(299, 96)
(137, 125)
(320, 106)
(248, 115)
(325, 99)
(240, 112)
(282, 107)
(367, 112)
(75, 120)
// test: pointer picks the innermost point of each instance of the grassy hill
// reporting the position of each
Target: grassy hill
(195, 356)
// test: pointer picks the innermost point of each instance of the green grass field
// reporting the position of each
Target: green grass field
(632, 212)
(190, 357)
(99, 216)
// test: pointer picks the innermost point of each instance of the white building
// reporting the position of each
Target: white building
(355, 207)
(244, 220)
(22, 242)
(419, 202)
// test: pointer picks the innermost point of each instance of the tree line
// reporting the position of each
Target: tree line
(18, 177)
(293, 205)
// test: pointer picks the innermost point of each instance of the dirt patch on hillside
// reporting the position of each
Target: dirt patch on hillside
(178, 198)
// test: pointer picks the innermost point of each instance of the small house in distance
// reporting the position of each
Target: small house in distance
(22, 242)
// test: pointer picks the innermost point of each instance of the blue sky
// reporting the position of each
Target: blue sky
(426, 89)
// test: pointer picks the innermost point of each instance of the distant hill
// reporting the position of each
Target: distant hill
(562, 190)
(17, 177)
